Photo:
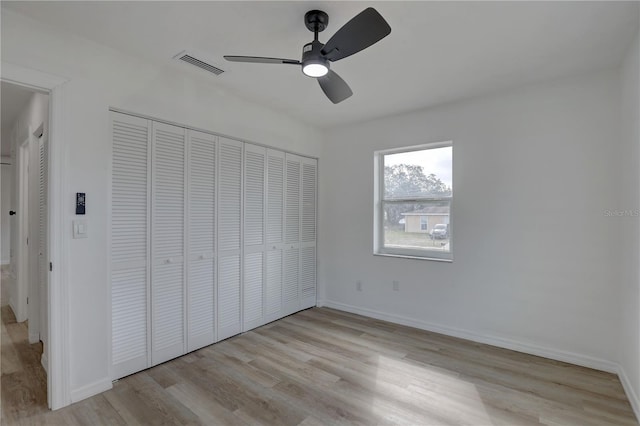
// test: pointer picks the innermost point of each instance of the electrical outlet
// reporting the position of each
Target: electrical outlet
(396, 286)
(359, 285)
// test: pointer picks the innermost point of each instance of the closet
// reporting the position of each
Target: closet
(209, 237)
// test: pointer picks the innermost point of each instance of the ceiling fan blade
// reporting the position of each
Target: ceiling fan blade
(365, 29)
(261, 60)
(336, 89)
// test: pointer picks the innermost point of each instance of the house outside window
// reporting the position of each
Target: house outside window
(424, 223)
(413, 196)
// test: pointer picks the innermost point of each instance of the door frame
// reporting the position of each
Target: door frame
(58, 392)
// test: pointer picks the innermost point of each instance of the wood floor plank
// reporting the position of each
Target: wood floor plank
(96, 411)
(208, 410)
(326, 367)
(23, 384)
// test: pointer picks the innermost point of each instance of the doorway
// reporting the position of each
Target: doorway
(57, 297)
(25, 122)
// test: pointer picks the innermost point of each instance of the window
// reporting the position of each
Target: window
(413, 193)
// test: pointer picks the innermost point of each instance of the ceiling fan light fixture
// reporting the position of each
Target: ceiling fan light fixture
(315, 69)
(314, 64)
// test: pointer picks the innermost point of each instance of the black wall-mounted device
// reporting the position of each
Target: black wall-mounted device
(81, 199)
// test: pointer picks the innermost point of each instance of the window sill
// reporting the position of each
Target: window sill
(406, 256)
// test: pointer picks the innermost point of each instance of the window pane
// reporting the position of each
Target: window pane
(423, 226)
(422, 173)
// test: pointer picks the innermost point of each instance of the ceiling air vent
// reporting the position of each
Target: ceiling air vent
(191, 59)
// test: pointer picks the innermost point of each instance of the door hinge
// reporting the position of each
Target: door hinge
(50, 266)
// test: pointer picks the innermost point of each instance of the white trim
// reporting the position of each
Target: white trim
(44, 361)
(34, 336)
(632, 396)
(428, 145)
(419, 214)
(406, 256)
(91, 389)
(501, 342)
(110, 368)
(58, 394)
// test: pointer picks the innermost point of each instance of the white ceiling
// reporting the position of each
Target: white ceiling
(437, 52)
(13, 100)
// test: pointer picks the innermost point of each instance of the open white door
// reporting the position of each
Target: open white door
(42, 245)
(20, 292)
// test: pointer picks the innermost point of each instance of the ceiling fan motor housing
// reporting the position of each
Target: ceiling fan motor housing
(311, 54)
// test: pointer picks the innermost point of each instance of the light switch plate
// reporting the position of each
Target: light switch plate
(80, 229)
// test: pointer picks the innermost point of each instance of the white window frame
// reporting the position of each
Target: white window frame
(424, 221)
(379, 202)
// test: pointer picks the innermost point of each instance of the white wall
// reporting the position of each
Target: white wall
(101, 78)
(629, 227)
(6, 181)
(535, 259)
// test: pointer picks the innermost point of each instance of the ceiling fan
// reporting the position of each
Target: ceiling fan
(362, 31)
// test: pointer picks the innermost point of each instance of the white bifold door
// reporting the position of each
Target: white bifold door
(273, 303)
(308, 220)
(209, 237)
(201, 246)
(279, 235)
(254, 236)
(229, 237)
(130, 239)
(168, 243)
(299, 255)
(291, 251)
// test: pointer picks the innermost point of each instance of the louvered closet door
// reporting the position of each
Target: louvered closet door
(307, 281)
(42, 240)
(274, 235)
(167, 243)
(290, 291)
(130, 227)
(254, 237)
(229, 319)
(201, 243)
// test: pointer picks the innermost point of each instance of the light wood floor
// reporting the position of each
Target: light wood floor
(323, 366)
(23, 387)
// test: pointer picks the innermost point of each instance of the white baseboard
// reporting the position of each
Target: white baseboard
(45, 363)
(506, 343)
(631, 393)
(34, 337)
(91, 389)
